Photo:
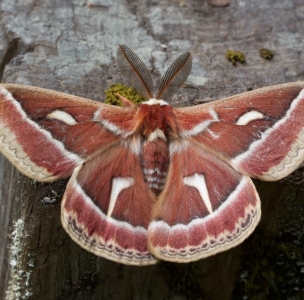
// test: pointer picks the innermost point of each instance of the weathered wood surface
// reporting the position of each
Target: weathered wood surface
(70, 46)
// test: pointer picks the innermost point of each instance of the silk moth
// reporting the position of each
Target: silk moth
(152, 181)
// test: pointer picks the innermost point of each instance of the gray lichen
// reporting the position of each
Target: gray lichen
(19, 283)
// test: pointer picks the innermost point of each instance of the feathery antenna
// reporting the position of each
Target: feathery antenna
(135, 71)
(138, 76)
(175, 76)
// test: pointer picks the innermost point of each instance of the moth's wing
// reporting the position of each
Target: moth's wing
(206, 207)
(106, 208)
(46, 134)
(260, 133)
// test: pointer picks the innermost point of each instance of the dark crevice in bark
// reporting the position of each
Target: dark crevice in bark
(15, 47)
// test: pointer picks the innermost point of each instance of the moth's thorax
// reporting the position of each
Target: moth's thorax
(156, 114)
(156, 125)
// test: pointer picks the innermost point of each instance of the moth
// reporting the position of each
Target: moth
(152, 181)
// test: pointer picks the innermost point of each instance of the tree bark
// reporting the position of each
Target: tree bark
(70, 46)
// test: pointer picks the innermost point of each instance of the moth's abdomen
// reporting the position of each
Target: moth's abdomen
(155, 160)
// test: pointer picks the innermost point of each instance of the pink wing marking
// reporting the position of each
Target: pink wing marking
(31, 148)
(46, 134)
(225, 228)
(192, 123)
(100, 234)
(120, 121)
(260, 133)
(280, 150)
(106, 207)
(206, 207)
(84, 139)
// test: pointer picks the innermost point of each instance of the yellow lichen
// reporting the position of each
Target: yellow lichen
(235, 57)
(125, 91)
(266, 53)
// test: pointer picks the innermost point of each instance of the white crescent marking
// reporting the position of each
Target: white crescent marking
(118, 184)
(62, 116)
(198, 181)
(248, 117)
